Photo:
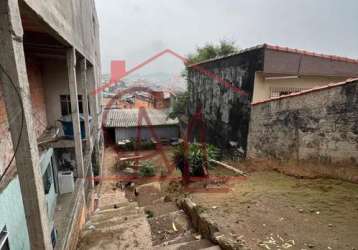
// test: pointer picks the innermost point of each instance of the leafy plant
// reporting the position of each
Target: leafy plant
(147, 169)
(197, 157)
(210, 51)
(180, 157)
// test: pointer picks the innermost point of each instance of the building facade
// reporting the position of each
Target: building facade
(142, 124)
(50, 69)
(222, 89)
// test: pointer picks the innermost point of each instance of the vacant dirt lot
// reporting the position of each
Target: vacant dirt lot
(270, 210)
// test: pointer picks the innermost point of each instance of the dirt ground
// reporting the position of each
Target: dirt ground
(150, 195)
(270, 210)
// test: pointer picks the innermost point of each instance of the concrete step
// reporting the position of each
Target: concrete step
(125, 208)
(109, 221)
(212, 248)
(134, 234)
(129, 225)
(108, 216)
(113, 204)
(107, 199)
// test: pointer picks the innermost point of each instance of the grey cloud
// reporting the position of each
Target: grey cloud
(134, 30)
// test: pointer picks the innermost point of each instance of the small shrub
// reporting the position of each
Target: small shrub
(149, 213)
(197, 157)
(147, 170)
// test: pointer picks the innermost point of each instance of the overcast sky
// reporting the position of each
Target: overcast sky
(134, 30)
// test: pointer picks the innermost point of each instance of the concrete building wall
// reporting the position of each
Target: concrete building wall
(55, 78)
(166, 132)
(263, 87)
(13, 216)
(320, 125)
(74, 21)
(39, 112)
(226, 112)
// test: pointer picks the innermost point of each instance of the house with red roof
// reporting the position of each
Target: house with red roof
(223, 88)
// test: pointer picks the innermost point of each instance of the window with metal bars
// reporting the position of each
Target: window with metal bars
(65, 101)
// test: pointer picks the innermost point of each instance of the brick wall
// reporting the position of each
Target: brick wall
(318, 126)
(39, 112)
(37, 97)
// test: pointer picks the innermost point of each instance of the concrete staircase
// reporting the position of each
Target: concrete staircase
(120, 224)
(116, 224)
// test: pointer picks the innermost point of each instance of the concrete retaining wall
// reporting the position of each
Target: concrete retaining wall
(208, 228)
(319, 126)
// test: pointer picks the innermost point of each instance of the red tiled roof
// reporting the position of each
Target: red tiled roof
(283, 49)
(331, 85)
(309, 53)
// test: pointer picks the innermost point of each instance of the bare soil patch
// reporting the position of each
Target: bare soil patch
(270, 210)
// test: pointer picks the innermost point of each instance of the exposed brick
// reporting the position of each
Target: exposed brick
(39, 112)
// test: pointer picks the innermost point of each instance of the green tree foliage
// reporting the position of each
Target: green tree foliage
(180, 105)
(198, 156)
(210, 51)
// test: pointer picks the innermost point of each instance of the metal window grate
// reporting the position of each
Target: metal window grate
(277, 92)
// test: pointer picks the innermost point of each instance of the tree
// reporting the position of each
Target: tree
(179, 106)
(210, 51)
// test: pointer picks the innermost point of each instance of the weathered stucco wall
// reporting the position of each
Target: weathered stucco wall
(319, 125)
(226, 112)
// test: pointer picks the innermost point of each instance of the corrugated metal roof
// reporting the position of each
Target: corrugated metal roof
(125, 118)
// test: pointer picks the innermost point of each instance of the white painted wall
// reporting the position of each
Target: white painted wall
(262, 86)
(161, 132)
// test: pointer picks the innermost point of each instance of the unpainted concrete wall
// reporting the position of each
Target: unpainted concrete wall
(55, 78)
(319, 126)
(74, 21)
(226, 112)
